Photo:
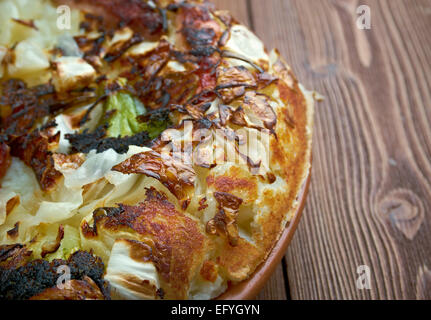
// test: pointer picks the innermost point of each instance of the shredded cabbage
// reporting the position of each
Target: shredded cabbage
(123, 122)
(124, 274)
(70, 244)
(95, 167)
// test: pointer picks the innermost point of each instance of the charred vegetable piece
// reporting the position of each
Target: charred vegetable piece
(175, 175)
(31, 279)
(97, 140)
(155, 122)
(34, 150)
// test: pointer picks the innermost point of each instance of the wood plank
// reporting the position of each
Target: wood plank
(275, 289)
(238, 8)
(370, 201)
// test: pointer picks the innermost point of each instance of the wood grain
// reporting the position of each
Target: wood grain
(371, 198)
(240, 9)
(275, 289)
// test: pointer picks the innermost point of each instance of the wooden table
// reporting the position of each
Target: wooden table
(370, 200)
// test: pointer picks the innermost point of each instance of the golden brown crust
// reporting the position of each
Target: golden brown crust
(209, 271)
(291, 153)
(236, 181)
(176, 241)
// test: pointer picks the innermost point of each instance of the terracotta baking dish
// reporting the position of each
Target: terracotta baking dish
(249, 289)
